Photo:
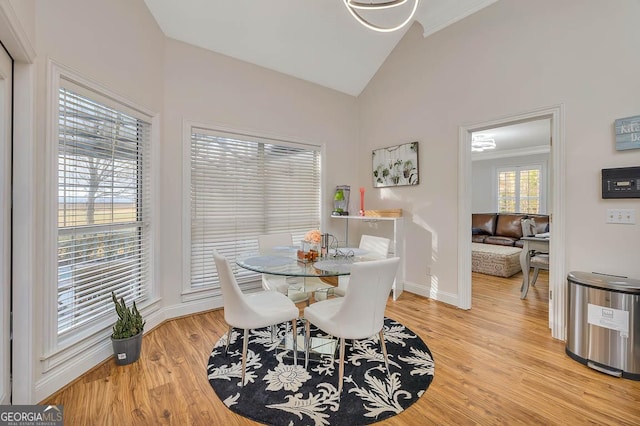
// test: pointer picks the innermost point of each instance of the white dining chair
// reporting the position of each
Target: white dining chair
(538, 261)
(253, 310)
(360, 313)
(378, 246)
(280, 283)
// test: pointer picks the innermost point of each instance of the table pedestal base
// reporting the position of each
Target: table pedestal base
(319, 347)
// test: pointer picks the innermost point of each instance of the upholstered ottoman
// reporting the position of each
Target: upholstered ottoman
(501, 261)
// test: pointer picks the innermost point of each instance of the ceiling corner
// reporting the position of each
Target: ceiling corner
(438, 14)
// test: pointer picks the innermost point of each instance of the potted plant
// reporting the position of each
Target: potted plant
(407, 168)
(127, 332)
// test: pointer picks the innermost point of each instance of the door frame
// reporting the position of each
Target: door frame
(16, 40)
(557, 274)
(6, 112)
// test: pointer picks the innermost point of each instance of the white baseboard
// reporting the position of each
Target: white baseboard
(101, 351)
(418, 289)
(67, 372)
(193, 307)
(426, 291)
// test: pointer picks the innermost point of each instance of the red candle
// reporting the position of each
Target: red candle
(361, 201)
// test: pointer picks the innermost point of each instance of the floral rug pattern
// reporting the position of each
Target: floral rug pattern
(280, 393)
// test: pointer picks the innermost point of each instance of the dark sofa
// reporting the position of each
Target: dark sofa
(504, 229)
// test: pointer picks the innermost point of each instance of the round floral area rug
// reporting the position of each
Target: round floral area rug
(277, 392)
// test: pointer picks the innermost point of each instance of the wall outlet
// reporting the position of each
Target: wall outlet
(625, 216)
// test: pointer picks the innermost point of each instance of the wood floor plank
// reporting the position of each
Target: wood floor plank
(494, 364)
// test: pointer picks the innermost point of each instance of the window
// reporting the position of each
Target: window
(242, 187)
(519, 189)
(103, 200)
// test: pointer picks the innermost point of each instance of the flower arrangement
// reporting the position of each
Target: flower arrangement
(309, 248)
(313, 236)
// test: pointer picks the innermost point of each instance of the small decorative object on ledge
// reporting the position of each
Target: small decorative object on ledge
(383, 213)
(396, 165)
(341, 201)
(361, 201)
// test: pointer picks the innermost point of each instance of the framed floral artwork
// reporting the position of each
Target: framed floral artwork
(395, 165)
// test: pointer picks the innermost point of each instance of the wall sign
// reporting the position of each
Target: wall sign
(627, 133)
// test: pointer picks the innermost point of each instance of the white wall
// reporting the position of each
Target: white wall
(483, 189)
(512, 57)
(213, 89)
(118, 45)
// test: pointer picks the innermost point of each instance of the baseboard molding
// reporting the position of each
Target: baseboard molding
(193, 307)
(60, 377)
(418, 289)
(426, 291)
(66, 373)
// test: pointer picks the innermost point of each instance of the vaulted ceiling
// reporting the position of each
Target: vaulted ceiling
(314, 40)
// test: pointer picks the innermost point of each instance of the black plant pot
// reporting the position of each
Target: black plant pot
(126, 351)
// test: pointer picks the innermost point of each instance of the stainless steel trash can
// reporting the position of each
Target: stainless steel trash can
(603, 323)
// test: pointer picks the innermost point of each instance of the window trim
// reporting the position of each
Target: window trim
(188, 293)
(56, 350)
(542, 166)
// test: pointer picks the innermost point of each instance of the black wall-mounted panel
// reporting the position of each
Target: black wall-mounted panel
(623, 182)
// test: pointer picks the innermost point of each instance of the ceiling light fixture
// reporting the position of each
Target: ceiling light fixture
(354, 6)
(481, 143)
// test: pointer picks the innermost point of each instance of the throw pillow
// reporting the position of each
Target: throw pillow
(478, 231)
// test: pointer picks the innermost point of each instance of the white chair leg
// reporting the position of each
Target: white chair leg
(229, 331)
(307, 342)
(384, 351)
(341, 367)
(535, 276)
(245, 345)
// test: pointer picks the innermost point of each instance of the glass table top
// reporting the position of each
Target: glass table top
(287, 264)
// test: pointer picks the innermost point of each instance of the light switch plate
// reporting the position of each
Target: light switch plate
(624, 216)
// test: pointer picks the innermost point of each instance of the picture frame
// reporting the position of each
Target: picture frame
(395, 165)
(627, 133)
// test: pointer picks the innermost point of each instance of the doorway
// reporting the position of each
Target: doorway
(510, 175)
(555, 115)
(6, 99)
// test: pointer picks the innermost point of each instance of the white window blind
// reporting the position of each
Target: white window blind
(103, 207)
(519, 189)
(242, 187)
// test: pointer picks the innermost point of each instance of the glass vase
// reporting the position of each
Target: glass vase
(308, 251)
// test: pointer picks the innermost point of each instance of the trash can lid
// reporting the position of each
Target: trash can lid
(607, 282)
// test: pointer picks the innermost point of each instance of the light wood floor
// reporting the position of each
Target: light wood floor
(494, 364)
